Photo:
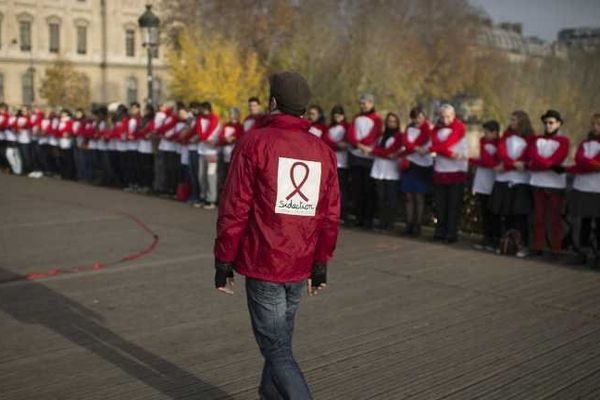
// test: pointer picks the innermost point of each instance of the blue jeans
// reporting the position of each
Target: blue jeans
(272, 309)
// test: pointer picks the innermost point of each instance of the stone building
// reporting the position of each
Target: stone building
(585, 38)
(100, 37)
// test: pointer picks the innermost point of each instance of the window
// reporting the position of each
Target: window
(25, 35)
(130, 42)
(81, 40)
(1, 88)
(54, 36)
(27, 87)
(132, 90)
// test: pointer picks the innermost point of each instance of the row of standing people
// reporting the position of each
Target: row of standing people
(517, 173)
(521, 179)
(118, 146)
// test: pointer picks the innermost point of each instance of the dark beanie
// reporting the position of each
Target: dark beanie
(291, 91)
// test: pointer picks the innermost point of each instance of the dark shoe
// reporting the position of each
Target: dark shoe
(438, 238)
(451, 240)
(408, 230)
(416, 231)
(579, 258)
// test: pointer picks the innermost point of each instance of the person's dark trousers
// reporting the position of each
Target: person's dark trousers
(3, 160)
(26, 157)
(67, 164)
(272, 309)
(448, 204)
(132, 167)
(171, 171)
(38, 157)
(146, 168)
(584, 235)
(78, 157)
(53, 157)
(108, 171)
(387, 199)
(343, 179)
(159, 172)
(363, 190)
(193, 177)
(490, 222)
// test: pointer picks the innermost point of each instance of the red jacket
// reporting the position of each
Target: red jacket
(508, 163)
(542, 162)
(279, 213)
(334, 142)
(583, 163)
(372, 136)
(444, 147)
(236, 133)
(488, 154)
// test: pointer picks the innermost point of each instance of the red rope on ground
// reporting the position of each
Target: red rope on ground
(97, 265)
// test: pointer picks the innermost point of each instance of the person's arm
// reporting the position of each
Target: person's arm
(328, 230)
(234, 211)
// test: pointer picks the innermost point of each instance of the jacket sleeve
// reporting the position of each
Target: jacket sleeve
(236, 203)
(330, 204)
(443, 148)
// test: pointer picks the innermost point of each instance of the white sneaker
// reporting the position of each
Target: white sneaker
(523, 253)
(210, 206)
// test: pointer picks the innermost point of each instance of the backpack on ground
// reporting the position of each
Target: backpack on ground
(511, 242)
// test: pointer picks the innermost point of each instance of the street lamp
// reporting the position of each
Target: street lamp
(149, 23)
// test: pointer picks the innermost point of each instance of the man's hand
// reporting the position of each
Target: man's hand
(318, 279)
(224, 277)
(519, 165)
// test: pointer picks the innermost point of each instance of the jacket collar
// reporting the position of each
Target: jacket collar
(286, 121)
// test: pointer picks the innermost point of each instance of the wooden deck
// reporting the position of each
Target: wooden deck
(403, 319)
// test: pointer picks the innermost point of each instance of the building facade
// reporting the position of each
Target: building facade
(584, 38)
(100, 37)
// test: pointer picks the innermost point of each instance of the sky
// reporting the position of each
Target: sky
(543, 18)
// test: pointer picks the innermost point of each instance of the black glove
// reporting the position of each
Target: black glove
(559, 169)
(223, 270)
(318, 276)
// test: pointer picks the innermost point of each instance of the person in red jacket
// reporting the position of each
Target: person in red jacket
(365, 129)
(4, 116)
(65, 137)
(232, 131)
(208, 127)
(278, 226)
(335, 138)
(449, 143)
(584, 199)
(483, 184)
(416, 178)
(318, 125)
(549, 181)
(386, 171)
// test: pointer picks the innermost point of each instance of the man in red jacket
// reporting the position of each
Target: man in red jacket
(278, 225)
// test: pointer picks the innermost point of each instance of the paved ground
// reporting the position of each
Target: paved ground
(403, 319)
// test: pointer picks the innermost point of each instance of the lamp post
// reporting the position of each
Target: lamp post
(149, 23)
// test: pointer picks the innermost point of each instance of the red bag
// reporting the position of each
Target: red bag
(183, 191)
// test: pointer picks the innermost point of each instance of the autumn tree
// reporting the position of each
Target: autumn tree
(64, 86)
(208, 66)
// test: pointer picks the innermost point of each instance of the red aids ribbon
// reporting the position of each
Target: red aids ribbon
(297, 187)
